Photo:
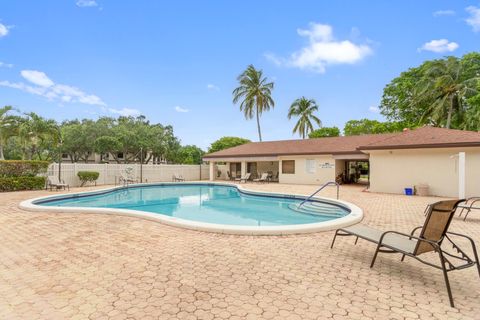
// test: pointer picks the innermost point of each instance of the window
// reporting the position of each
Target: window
(120, 155)
(310, 166)
(64, 156)
(288, 166)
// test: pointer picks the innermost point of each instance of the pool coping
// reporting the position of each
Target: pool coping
(355, 215)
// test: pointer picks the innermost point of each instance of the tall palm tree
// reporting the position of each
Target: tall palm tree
(255, 93)
(304, 109)
(7, 127)
(446, 85)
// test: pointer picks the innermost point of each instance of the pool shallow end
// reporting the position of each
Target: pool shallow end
(355, 215)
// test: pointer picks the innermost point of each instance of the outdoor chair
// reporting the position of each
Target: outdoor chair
(55, 182)
(229, 176)
(469, 204)
(433, 237)
(178, 178)
(263, 178)
(125, 179)
(245, 177)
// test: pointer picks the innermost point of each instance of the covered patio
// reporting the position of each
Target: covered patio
(232, 168)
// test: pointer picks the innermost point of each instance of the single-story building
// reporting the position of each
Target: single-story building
(446, 160)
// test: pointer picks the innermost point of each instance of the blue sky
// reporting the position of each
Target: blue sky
(176, 62)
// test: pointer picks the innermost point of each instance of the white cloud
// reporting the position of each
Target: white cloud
(212, 87)
(180, 109)
(322, 50)
(45, 87)
(126, 112)
(87, 3)
(5, 65)
(439, 46)
(374, 109)
(3, 30)
(440, 13)
(474, 19)
(37, 77)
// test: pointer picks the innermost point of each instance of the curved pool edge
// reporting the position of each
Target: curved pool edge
(355, 215)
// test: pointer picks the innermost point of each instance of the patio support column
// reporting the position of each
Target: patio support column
(212, 171)
(461, 175)
(244, 168)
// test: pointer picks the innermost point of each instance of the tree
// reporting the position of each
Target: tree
(226, 142)
(8, 127)
(255, 93)
(190, 154)
(367, 126)
(438, 93)
(324, 132)
(39, 137)
(304, 108)
(446, 88)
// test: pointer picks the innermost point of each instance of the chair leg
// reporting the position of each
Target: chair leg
(356, 240)
(403, 257)
(445, 276)
(375, 255)
(333, 241)
(475, 254)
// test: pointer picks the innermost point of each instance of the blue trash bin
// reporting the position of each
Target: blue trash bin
(409, 191)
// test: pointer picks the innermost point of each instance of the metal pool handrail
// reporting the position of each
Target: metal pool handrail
(320, 189)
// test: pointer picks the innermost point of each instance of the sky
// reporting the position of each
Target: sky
(177, 62)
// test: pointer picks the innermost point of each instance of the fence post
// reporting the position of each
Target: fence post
(75, 172)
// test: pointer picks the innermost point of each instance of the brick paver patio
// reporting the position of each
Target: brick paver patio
(92, 266)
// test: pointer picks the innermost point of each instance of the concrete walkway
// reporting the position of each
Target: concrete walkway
(91, 266)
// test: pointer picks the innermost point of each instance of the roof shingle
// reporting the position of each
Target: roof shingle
(425, 137)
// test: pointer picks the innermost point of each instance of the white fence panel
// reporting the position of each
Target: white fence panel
(110, 173)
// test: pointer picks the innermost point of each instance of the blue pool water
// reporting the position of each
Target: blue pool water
(207, 203)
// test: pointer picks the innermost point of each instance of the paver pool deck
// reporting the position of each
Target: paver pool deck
(94, 266)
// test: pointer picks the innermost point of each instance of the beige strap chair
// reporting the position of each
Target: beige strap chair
(55, 182)
(432, 235)
(245, 177)
(178, 178)
(263, 178)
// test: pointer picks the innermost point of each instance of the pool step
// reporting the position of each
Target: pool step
(318, 209)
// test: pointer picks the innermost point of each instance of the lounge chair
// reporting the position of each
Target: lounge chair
(470, 204)
(178, 178)
(229, 176)
(55, 182)
(245, 177)
(431, 239)
(263, 178)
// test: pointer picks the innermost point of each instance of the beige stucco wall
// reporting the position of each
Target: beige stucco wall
(393, 170)
(324, 170)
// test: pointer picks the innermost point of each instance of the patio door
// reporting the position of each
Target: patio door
(236, 169)
(252, 168)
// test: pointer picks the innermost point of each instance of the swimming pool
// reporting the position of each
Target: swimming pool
(207, 206)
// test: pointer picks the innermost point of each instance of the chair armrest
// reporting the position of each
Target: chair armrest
(410, 236)
(415, 229)
(459, 235)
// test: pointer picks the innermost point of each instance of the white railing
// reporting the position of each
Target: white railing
(111, 173)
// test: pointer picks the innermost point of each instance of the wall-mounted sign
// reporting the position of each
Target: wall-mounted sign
(327, 165)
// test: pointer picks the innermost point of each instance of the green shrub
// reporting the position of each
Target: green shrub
(21, 183)
(19, 168)
(87, 176)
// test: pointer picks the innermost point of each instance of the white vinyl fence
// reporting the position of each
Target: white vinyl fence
(110, 173)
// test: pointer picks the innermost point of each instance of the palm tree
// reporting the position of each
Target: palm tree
(255, 93)
(304, 109)
(446, 85)
(37, 135)
(7, 127)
